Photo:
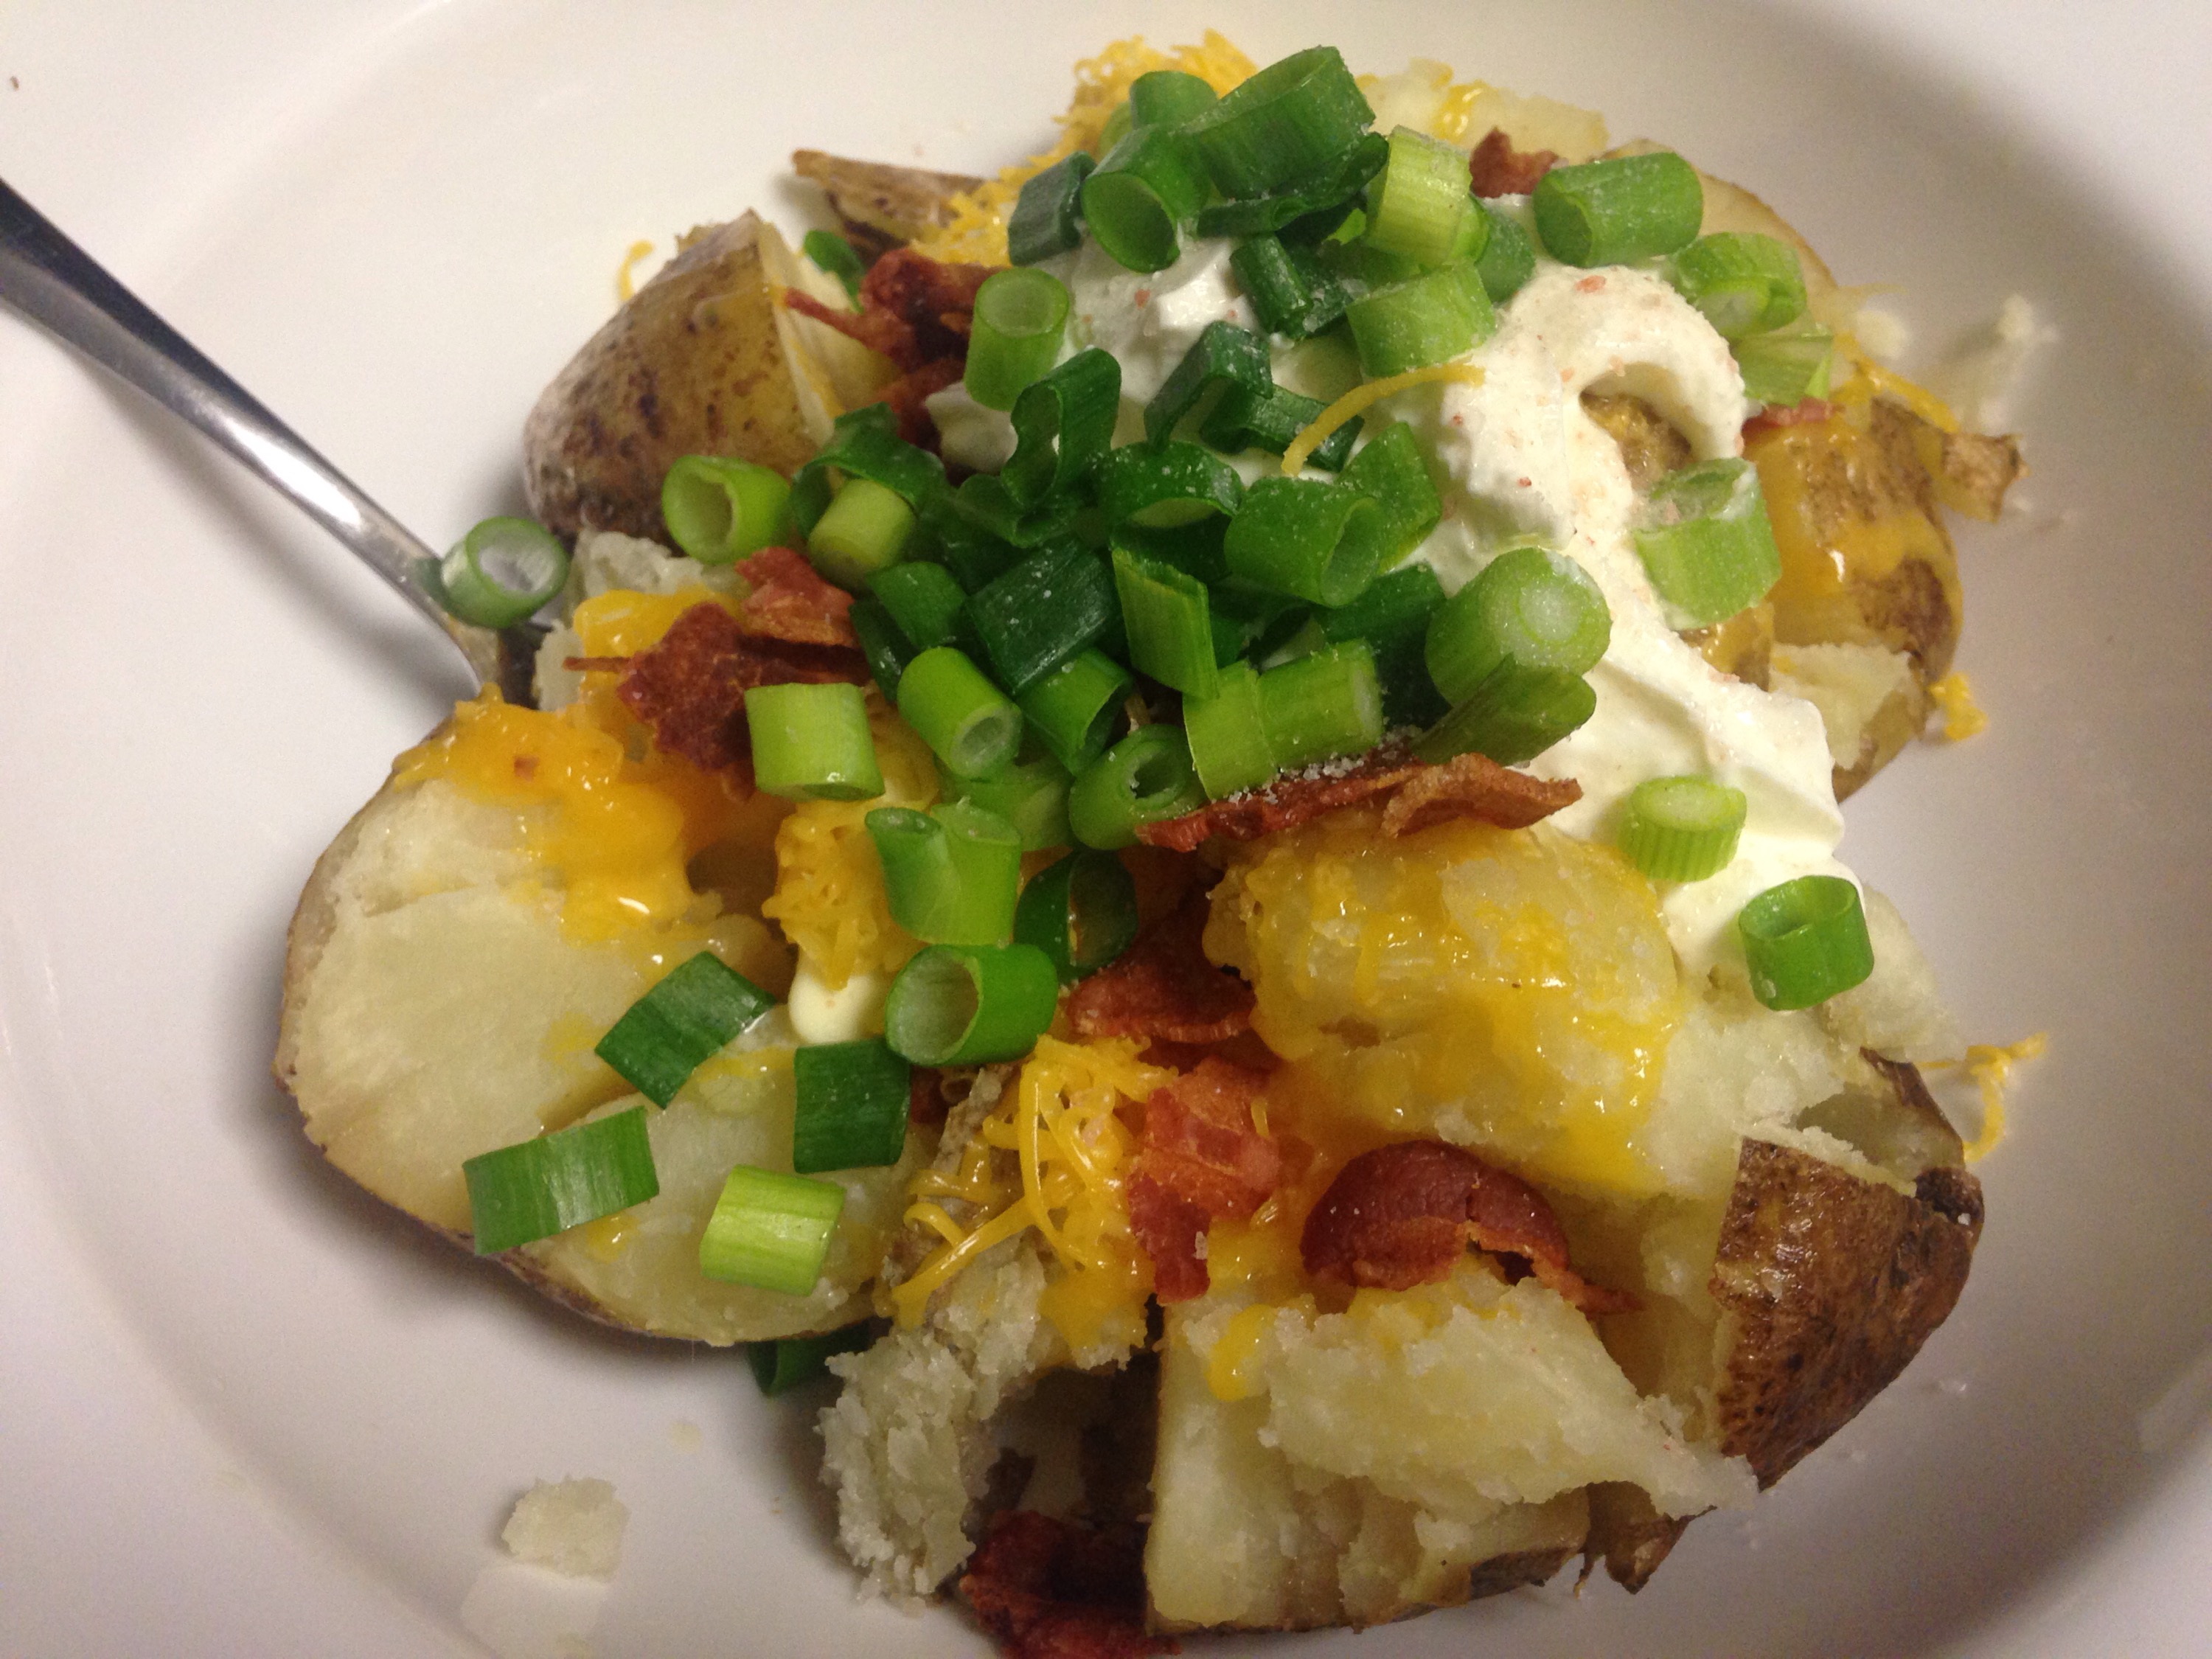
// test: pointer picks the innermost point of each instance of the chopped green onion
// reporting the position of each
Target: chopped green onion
(793, 1362)
(866, 444)
(1014, 335)
(1249, 621)
(1081, 912)
(539, 1187)
(1805, 941)
(1471, 237)
(1118, 123)
(864, 528)
(1321, 705)
(1146, 777)
(1393, 616)
(1416, 204)
(769, 1230)
(1161, 488)
(1227, 736)
(1223, 354)
(1705, 542)
(1047, 214)
(501, 572)
(966, 721)
(1030, 795)
(1744, 282)
(1682, 828)
(1308, 210)
(1143, 189)
(1784, 368)
(1072, 709)
(923, 599)
(951, 874)
(985, 503)
(1322, 542)
(1390, 469)
(1508, 258)
(1053, 604)
(1617, 211)
(971, 553)
(832, 253)
(1241, 421)
(1062, 425)
(1425, 319)
(812, 742)
(1515, 715)
(1292, 119)
(718, 510)
(968, 1005)
(1537, 607)
(883, 641)
(1167, 98)
(852, 1099)
(1292, 294)
(1164, 611)
(680, 1024)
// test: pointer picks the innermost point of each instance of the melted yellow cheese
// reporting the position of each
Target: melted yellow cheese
(1963, 717)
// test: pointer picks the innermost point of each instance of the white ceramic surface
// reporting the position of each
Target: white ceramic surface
(244, 1410)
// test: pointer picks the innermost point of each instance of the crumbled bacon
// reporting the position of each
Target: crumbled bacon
(1162, 987)
(1049, 1589)
(1473, 785)
(907, 396)
(917, 313)
(1404, 1214)
(1496, 168)
(1202, 1159)
(1799, 414)
(690, 688)
(789, 602)
(1468, 786)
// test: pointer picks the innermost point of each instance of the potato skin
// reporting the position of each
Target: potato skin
(693, 364)
(1833, 1284)
(881, 206)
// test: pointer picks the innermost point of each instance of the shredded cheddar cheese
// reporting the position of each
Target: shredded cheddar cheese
(975, 232)
(1990, 1064)
(626, 277)
(1963, 717)
(1361, 399)
(1072, 1155)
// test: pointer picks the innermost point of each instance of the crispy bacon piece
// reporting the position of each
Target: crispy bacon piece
(906, 396)
(1403, 1214)
(690, 688)
(1164, 987)
(1049, 1589)
(789, 602)
(913, 310)
(1468, 786)
(1799, 414)
(1472, 786)
(1202, 1159)
(1496, 168)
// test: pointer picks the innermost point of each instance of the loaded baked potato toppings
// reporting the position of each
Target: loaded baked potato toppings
(1214, 764)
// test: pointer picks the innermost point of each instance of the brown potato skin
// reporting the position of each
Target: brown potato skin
(692, 365)
(1832, 1285)
(880, 206)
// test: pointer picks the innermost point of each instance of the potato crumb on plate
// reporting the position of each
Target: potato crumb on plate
(573, 1526)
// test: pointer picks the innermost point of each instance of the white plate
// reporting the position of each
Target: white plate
(243, 1410)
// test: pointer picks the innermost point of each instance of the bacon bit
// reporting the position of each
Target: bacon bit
(690, 688)
(789, 602)
(1168, 1229)
(1473, 785)
(908, 394)
(879, 331)
(1202, 1159)
(595, 664)
(917, 313)
(1496, 168)
(1164, 987)
(1403, 1215)
(1804, 414)
(926, 1105)
(1467, 786)
(1049, 1589)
